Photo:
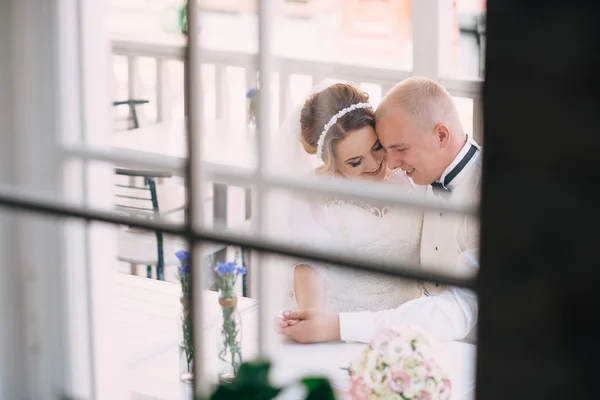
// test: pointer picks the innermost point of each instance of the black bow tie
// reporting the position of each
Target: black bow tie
(442, 188)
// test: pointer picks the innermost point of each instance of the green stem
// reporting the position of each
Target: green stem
(230, 334)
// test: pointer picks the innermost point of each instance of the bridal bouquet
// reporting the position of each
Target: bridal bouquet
(399, 364)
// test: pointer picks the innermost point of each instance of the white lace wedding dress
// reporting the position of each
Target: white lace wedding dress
(345, 226)
(348, 226)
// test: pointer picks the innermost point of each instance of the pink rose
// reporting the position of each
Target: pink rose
(400, 381)
(446, 390)
(381, 340)
(359, 389)
(424, 396)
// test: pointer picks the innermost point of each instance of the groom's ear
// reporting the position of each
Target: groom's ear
(443, 135)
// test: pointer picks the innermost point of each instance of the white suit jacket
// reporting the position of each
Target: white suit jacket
(449, 244)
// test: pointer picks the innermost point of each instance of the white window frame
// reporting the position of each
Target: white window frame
(55, 286)
(84, 142)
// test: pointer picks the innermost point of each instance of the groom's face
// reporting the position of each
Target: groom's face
(415, 149)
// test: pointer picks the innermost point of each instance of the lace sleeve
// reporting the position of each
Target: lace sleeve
(310, 225)
(305, 223)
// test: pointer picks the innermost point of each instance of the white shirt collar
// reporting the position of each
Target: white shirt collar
(461, 154)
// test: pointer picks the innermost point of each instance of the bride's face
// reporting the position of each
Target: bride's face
(360, 155)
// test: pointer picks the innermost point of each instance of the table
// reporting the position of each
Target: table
(148, 321)
(224, 144)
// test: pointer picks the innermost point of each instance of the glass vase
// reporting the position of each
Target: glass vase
(230, 339)
(187, 344)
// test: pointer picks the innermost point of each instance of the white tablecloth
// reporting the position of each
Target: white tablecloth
(149, 321)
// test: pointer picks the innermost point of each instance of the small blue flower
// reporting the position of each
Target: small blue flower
(183, 255)
(230, 268)
(251, 93)
(185, 269)
(221, 268)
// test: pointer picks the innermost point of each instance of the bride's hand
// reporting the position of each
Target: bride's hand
(311, 325)
(281, 323)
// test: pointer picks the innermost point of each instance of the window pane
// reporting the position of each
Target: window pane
(367, 32)
(376, 33)
(153, 20)
(148, 51)
(467, 58)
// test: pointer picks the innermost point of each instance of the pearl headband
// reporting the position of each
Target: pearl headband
(333, 121)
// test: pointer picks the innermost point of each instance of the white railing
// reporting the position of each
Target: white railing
(285, 67)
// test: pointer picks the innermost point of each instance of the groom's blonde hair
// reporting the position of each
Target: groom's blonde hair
(426, 101)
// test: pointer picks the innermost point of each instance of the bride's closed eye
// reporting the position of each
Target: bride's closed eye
(355, 163)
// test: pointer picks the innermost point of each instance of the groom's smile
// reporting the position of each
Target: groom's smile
(414, 146)
(409, 171)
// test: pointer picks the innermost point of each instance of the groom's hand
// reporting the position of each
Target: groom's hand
(310, 325)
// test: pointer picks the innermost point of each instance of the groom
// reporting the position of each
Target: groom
(419, 125)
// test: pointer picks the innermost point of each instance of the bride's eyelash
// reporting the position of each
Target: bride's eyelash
(377, 147)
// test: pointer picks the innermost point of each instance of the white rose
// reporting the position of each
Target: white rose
(398, 348)
(374, 373)
(360, 361)
(372, 359)
(384, 392)
(410, 392)
(423, 348)
(412, 365)
(419, 371)
(376, 379)
(432, 387)
(418, 383)
(389, 358)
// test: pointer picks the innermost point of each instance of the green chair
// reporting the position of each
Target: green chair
(135, 246)
(132, 120)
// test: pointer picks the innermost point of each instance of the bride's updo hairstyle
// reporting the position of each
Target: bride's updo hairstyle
(318, 111)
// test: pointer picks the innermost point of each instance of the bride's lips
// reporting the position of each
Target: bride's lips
(409, 172)
(377, 171)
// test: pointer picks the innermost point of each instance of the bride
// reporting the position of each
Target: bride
(337, 125)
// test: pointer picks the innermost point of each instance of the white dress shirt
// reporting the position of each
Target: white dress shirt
(448, 316)
(449, 245)
(446, 235)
